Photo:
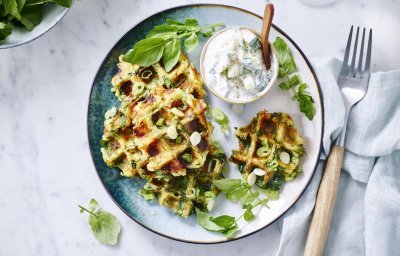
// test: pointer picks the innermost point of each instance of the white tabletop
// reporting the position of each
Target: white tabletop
(45, 164)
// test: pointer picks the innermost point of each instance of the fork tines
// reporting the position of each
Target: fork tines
(350, 70)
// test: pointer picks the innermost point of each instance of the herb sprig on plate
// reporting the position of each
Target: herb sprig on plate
(236, 190)
(165, 41)
(287, 66)
(24, 13)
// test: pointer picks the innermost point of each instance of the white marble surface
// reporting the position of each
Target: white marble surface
(45, 164)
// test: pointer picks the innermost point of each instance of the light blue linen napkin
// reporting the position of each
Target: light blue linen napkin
(366, 218)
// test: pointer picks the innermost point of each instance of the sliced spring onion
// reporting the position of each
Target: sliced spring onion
(210, 205)
(273, 165)
(138, 89)
(160, 122)
(195, 138)
(219, 116)
(172, 133)
(265, 143)
(178, 140)
(213, 164)
(284, 157)
(262, 152)
(187, 157)
(190, 192)
(251, 179)
(110, 113)
(177, 112)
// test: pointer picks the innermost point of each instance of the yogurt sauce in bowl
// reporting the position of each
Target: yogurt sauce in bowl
(233, 68)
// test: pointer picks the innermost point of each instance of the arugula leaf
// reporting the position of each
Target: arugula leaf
(227, 185)
(191, 42)
(286, 67)
(146, 52)
(105, 226)
(171, 54)
(5, 30)
(224, 221)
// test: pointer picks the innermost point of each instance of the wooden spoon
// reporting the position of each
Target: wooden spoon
(266, 26)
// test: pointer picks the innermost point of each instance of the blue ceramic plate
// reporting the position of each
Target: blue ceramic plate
(159, 219)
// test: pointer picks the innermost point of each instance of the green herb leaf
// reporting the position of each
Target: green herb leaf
(238, 193)
(203, 219)
(146, 52)
(191, 42)
(171, 54)
(227, 185)
(93, 205)
(147, 194)
(163, 32)
(286, 67)
(63, 3)
(11, 7)
(248, 214)
(31, 16)
(105, 227)
(223, 221)
(191, 22)
(173, 22)
(229, 232)
(5, 30)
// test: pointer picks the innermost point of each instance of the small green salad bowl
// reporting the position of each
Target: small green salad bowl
(52, 14)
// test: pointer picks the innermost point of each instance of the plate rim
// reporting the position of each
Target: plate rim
(320, 139)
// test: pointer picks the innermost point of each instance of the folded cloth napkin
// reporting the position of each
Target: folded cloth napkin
(366, 218)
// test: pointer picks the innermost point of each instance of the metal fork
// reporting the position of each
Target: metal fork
(353, 84)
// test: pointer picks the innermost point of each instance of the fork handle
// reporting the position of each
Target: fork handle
(324, 204)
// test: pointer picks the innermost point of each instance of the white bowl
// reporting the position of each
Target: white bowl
(275, 67)
(20, 35)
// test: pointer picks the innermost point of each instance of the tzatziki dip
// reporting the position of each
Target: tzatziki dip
(233, 67)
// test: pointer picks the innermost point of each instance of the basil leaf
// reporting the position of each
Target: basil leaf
(306, 104)
(11, 7)
(163, 31)
(227, 185)
(5, 30)
(106, 227)
(224, 221)
(173, 22)
(191, 22)
(203, 219)
(171, 54)
(146, 52)
(191, 42)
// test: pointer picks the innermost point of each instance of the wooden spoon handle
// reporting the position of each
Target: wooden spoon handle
(266, 27)
(324, 204)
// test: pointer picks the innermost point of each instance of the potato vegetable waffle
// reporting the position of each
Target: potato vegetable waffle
(160, 133)
(269, 150)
